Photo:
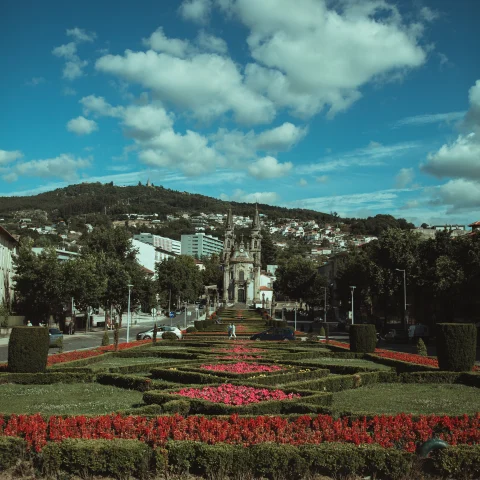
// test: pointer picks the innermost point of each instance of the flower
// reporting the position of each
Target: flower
(241, 367)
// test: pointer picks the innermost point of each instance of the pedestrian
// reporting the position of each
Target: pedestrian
(233, 332)
(229, 331)
(29, 324)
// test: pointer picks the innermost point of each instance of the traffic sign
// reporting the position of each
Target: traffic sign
(172, 314)
(189, 314)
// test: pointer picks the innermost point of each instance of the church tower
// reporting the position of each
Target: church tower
(256, 253)
(228, 248)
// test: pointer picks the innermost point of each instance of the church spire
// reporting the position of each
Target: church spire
(229, 222)
(256, 219)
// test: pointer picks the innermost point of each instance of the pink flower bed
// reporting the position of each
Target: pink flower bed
(235, 395)
(241, 367)
(239, 357)
(237, 350)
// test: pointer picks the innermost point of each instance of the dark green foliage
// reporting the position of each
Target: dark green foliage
(468, 379)
(363, 338)
(421, 348)
(184, 376)
(11, 450)
(46, 378)
(322, 331)
(130, 382)
(105, 339)
(116, 335)
(118, 458)
(169, 336)
(462, 461)
(155, 332)
(456, 346)
(28, 349)
(177, 406)
(191, 330)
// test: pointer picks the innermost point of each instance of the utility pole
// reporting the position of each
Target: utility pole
(353, 319)
(128, 312)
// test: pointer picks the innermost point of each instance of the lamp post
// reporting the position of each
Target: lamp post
(404, 297)
(185, 313)
(295, 316)
(325, 306)
(128, 312)
(353, 287)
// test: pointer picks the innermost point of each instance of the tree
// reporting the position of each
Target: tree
(212, 274)
(269, 250)
(39, 282)
(294, 277)
(179, 276)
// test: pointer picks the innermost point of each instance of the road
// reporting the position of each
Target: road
(93, 339)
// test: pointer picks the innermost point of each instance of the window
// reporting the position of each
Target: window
(241, 276)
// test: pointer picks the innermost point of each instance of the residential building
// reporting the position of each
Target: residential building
(145, 255)
(8, 246)
(475, 226)
(62, 255)
(158, 241)
(201, 245)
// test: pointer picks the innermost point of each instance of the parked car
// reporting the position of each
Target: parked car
(55, 334)
(201, 306)
(148, 334)
(275, 333)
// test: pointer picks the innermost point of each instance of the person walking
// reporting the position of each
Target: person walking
(229, 331)
(29, 324)
(233, 332)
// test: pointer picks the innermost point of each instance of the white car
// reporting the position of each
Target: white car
(148, 334)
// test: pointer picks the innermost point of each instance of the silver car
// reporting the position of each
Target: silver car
(148, 334)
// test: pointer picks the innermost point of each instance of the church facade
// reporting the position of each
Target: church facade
(241, 263)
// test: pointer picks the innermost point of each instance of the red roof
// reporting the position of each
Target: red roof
(265, 289)
(475, 224)
(147, 270)
(8, 234)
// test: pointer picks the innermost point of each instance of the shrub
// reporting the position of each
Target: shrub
(131, 382)
(191, 330)
(177, 406)
(363, 338)
(116, 335)
(11, 449)
(117, 458)
(421, 348)
(169, 336)
(456, 346)
(105, 339)
(155, 332)
(28, 349)
(462, 461)
(322, 331)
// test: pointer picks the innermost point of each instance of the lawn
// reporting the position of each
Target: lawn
(66, 399)
(122, 362)
(350, 362)
(393, 398)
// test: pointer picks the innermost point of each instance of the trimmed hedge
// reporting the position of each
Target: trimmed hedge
(119, 458)
(456, 346)
(468, 379)
(46, 378)
(184, 376)
(28, 349)
(11, 450)
(363, 338)
(169, 336)
(130, 382)
(462, 461)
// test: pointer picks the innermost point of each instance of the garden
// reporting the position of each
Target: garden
(216, 409)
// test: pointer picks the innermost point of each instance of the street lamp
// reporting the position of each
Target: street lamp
(128, 312)
(353, 289)
(325, 306)
(404, 297)
(185, 313)
(295, 316)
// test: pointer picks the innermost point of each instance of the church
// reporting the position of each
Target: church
(241, 263)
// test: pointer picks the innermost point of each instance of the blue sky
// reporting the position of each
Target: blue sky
(354, 106)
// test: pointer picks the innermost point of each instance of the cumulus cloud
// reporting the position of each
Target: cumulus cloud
(99, 106)
(10, 177)
(74, 65)
(146, 121)
(321, 179)
(260, 197)
(211, 43)
(196, 11)
(280, 138)
(269, 167)
(65, 166)
(472, 118)
(404, 177)
(310, 56)
(159, 42)
(80, 35)
(9, 156)
(82, 126)
(458, 195)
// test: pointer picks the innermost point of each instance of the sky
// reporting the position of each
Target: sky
(358, 107)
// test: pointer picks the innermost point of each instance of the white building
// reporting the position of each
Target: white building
(8, 246)
(201, 245)
(62, 255)
(145, 254)
(164, 243)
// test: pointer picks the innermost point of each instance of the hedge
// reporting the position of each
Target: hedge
(457, 462)
(28, 349)
(399, 365)
(11, 450)
(118, 458)
(456, 346)
(46, 378)
(184, 376)
(130, 382)
(363, 338)
(468, 379)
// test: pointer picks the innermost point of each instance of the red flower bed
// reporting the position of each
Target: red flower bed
(235, 395)
(399, 431)
(241, 367)
(237, 349)
(239, 357)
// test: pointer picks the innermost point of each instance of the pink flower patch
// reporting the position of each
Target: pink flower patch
(235, 395)
(242, 367)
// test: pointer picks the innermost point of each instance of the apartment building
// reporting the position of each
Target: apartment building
(201, 245)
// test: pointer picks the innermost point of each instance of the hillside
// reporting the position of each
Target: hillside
(87, 198)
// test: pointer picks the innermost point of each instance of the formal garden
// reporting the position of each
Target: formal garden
(212, 408)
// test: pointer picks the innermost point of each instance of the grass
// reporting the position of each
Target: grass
(426, 399)
(349, 362)
(123, 362)
(66, 399)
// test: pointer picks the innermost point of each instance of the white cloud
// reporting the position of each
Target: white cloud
(207, 84)
(302, 182)
(160, 43)
(196, 11)
(373, 155)
(10, 177)
(460, 159)
(472, 118)
(147, 121)
(33, 82)
(321, 179)
(68, 50)
(458, 195)
(210, 43)
(429, 14)
(99, 106)
(404, 177)
(64, 166)
(74, 65)
(67, 91)
(310, 56)
(81, 35)
(260, 197)
(280, 138)
(268, 167)
(82, 126)
(426, 119)
(9, 156)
